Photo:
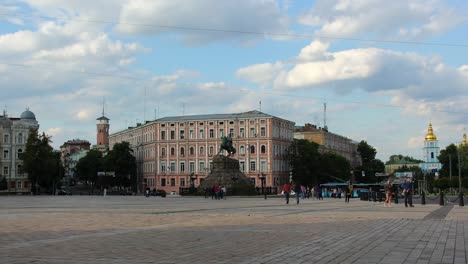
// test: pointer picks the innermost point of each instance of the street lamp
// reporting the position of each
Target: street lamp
(262, 179)
(462, 203)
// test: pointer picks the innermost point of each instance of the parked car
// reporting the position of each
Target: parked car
(161, 193)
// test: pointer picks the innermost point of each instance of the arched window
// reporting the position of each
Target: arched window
(182, 151)
(211, 150)
(191, 151)
(263, 149)
(163, 152)
(172, 151)
(202, 150)
(252, 149)
(241, 149)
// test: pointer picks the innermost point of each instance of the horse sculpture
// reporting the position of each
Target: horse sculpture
(226, 144)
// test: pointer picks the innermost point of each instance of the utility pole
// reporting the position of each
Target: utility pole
(450, 167)
(459, 172)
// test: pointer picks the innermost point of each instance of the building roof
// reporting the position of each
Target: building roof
(430, 136)
(249, 114)
(103, 118)
(28, 115)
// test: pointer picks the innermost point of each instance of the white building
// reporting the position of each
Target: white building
(431, 151)
(14, 134)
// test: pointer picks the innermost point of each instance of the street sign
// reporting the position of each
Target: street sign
(380, 174)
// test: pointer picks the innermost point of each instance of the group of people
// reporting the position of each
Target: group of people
(300, 191)
(217, 192)
(407, 188)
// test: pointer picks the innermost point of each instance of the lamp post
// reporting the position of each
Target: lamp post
(263, 179)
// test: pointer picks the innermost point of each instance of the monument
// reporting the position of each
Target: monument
(225, 172)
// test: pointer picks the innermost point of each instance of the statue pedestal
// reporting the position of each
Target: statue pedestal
(225, 172)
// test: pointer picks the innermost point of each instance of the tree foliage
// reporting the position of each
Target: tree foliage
(400, 158)
(88, 167)
(309, 167)
(41, 163)
(370, 165)
(121, 161)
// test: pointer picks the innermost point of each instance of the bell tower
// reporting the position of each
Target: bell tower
(430, 152)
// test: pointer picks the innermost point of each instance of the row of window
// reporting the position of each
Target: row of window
(211, 133)
(251, 149)
(19, 139)
(6, 154)
(201, 166)
(6, 170)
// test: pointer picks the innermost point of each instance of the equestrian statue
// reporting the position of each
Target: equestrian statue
(226, 144)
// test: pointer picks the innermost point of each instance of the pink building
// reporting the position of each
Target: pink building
(172, 151)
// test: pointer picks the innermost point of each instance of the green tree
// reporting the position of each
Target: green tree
(121, 161)
(88, 167)
(450, 153)
(303, 158)
(333, 168)
(41, 163)
(370, 165)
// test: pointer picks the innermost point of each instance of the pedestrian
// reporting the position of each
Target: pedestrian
(286, 191)
(224, 191)
(105, 192)
(408, 192)
(348, 192)
(297, 190)
(388, 193)
(213, 192)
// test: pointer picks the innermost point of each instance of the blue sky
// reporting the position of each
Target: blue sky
(59, 59)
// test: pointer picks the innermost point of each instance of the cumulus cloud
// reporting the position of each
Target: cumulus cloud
(262, 74)
(409, 19)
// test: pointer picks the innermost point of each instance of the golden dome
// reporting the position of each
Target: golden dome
(430, 133)
(464, 142)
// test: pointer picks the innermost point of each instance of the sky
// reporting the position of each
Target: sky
(385, 69)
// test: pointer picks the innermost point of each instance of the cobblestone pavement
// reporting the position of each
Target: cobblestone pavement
(119, 229)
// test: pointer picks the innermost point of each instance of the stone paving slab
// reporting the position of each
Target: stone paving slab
(237, 230)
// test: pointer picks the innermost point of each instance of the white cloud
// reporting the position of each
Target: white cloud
(54, 131)
(242, 15)
(409, 19)
(262, 74)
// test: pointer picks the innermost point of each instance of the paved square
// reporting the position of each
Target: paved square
(120, 229)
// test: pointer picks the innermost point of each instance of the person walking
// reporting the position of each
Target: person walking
(298, 191)
(286, 191)
(388, 193)
(408, 191)
(348, 192)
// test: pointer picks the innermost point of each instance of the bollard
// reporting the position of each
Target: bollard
(461, 202)
(423, 198)
(441, 202)
(396, 197)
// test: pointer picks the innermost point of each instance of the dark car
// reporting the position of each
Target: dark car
(64, 192)
(161, 193)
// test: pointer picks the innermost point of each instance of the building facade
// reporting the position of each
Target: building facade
(330, 142)
(70, 152)
(177, 152)
(14, 134)
(431, 151)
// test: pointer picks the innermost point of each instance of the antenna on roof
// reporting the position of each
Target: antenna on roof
(5, 111)
(325, 116)
(103, 104)
(260, 105)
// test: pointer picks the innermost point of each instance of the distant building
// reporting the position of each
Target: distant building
(330, 142)
(70, 152)
(431, 151)
(102, 134)
(14, 134)
(176, 152)
(391, 167)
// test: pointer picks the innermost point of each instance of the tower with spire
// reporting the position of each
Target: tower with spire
(102, 131)
(431, 151)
